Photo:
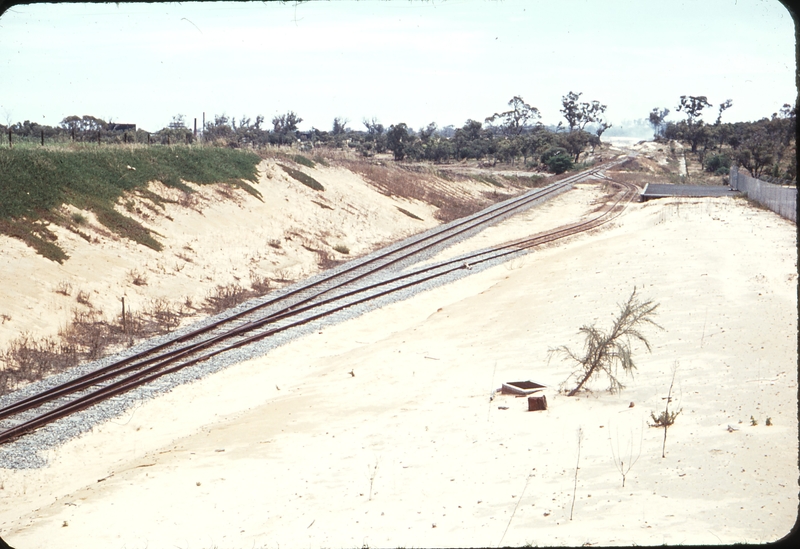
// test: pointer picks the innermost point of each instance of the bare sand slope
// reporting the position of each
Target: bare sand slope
(291, 450)
(218, 235)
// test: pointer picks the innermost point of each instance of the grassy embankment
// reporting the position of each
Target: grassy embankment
(36, 182)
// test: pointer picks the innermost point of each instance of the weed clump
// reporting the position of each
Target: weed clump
(304, 161)
(409, 214)
(306, 180)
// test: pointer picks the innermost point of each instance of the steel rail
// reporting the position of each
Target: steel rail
(155, 371)
(465, 224)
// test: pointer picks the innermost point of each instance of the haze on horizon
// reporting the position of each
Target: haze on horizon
(397, 61)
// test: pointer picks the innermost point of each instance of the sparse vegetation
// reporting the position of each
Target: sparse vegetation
(64, 288)
(666, 418)
(224, 296)
(303, 178)
(87, 336)
(342, 249)
(259, 284)
(409, 214)
(606, 351)
(621, 454)
(137, 277)
(577, 467)
(300, 159)
(83, 298)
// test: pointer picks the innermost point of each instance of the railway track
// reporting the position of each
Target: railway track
(355, 283)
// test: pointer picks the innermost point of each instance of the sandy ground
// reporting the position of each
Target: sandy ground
(290, 450)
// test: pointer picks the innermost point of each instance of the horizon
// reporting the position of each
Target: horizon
(396, 61)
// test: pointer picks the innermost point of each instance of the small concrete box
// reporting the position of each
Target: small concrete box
(522, 388)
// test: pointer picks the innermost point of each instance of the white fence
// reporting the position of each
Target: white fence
(781, 200)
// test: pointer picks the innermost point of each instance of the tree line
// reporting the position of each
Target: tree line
(765, 147)
(514, 135)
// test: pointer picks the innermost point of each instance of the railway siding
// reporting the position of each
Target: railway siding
(24, 452)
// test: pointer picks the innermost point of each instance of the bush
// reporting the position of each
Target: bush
(559, 164)
(557, 160)
(719, 164)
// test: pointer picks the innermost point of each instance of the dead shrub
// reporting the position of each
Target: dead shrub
(64, 288)
(88, 333)
(83, 298)
(137, 277)
(164, 314)
(27, 359)
(326, 260)
(224, 296)
(87, 336)
(259, 284)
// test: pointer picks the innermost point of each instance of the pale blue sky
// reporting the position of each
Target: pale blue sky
(396, 60)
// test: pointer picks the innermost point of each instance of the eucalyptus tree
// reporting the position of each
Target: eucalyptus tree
(514, 121)
(693, 106)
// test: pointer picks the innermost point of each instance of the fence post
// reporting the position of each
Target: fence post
(195, 126)
(10, 145)
(204, 126)
(42, 138)
(148, 138)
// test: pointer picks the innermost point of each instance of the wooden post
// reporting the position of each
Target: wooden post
(98, 137)
(10, 145)
(167, 139)
(204, 126)
(195, 126)
(73, 133)
(148, 138)
(124, 326)
(42, 138)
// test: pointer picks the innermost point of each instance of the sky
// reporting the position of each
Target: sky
(416, 62)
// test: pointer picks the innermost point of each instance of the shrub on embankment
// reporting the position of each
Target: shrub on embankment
(35, 183)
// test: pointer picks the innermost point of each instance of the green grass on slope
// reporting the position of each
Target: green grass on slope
(35, 183)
